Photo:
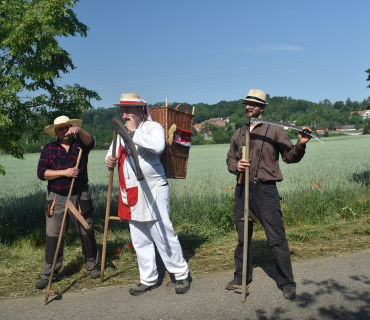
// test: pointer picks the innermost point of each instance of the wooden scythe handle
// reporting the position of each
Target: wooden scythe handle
(107, 211)
(246, 212)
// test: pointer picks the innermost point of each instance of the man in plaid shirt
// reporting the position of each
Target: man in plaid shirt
(57, 164)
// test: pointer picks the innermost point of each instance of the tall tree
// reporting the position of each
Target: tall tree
(31, 61)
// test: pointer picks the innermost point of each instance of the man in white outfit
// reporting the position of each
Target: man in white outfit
(145, 204)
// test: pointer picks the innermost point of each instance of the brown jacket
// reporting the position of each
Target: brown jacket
(276, 142)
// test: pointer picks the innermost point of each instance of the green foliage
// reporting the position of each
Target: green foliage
(366, 127)
(30, 61)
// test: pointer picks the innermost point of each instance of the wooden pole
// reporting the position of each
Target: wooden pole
(246, 211)
(48, 291)
(107, 211)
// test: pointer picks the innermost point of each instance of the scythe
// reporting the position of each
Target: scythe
(246, 178)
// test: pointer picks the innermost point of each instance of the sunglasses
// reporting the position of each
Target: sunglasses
(252, 105)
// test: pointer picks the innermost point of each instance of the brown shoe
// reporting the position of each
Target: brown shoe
(233, 285)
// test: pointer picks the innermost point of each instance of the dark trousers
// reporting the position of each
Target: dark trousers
(82, 202)
(264, 202)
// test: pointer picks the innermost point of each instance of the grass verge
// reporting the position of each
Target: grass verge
(22, 261)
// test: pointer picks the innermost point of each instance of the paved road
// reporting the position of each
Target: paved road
(328, 288)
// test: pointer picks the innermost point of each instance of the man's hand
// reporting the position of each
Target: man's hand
(303, 138)
(242, 164)
(71, 173)
(73, 130)
(131, 124)
(111, 162)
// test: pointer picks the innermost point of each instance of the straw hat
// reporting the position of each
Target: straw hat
(50, 130)
(256, 96)
(131, 99)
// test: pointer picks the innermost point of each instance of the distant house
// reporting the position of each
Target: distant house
(365, 114)
(349, 128)
(215, 121)
(338, 126)
(198, 126)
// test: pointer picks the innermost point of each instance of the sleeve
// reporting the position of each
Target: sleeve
(43, 163)
(233, 154)
(153, 139)
(87, 148)
(289, 153)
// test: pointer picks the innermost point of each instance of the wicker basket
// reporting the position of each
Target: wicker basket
(175, 156)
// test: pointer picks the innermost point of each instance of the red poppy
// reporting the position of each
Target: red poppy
(128, 246)
(338, 214)
(287, 228)
(232, 188)
(319, 186)
(116, 251)
(227, 189)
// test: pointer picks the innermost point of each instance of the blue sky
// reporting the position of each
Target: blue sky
(208, 51)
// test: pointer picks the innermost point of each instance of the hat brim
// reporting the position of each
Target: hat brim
(254, 100)
(50, 130)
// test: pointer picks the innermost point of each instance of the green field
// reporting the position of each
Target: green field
(326, 208)
(340, 167)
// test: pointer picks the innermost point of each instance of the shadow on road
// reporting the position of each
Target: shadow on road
(306, 300)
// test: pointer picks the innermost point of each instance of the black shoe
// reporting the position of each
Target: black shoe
(42, 284)
(182, 286)
(231, 285)
(289, 293)
(95, 273)
(139, 289)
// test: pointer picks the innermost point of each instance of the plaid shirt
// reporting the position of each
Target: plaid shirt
(55, 157)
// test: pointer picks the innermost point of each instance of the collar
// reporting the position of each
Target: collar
(57, 142)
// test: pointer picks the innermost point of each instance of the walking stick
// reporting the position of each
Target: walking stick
(108, 209)
(48, 291)
(246, 211)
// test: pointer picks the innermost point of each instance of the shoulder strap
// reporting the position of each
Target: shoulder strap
(147, 125)
(260, 155)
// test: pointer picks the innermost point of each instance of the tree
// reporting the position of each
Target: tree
(31, 61)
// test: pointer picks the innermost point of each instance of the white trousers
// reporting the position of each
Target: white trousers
(161, 233)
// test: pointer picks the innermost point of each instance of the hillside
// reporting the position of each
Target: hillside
(98, 121)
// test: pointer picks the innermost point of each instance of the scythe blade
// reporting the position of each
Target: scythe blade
(281, 124)
(120, 128)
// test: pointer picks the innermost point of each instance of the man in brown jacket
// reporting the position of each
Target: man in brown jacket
(266, 142)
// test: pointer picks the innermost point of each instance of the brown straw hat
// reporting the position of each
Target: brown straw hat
(131, 99)
(256, 96)
(50, 130)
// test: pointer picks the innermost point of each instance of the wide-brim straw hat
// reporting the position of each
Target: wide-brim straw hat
(50, 130)
(256, 96)
(131, 99)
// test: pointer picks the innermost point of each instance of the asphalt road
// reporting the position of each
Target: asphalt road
(327, 288)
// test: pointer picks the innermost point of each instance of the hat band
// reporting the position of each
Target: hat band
(132, 101)
(255, 98)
